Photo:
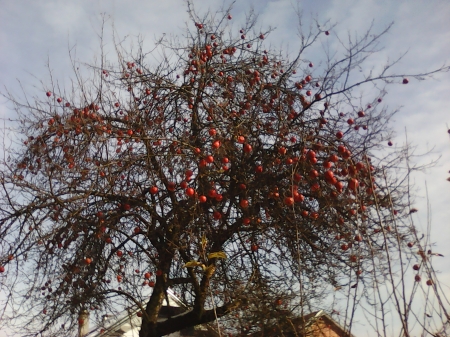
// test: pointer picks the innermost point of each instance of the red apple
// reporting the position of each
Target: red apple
(171, 186)
(243, 203)
(247, 148)
(190, 192)
(289, 201)
(216, 144)
(353, 184)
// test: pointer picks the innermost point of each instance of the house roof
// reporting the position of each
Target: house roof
(315, 324)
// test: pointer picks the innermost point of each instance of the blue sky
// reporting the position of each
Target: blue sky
(34, 33)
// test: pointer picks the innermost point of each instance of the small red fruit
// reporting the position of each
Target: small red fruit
(406, 81)
(190, 192)
(171, 186)
(289, 201)
(147, 275)
(254, 248)
(243, 203)
(48, 93)
(339, 135)
(153, 190)
(202, 199)
(313, 174)
(353, 184)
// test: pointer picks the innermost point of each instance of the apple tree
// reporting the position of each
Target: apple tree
(249, 182)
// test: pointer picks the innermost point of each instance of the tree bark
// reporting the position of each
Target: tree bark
(186, 320)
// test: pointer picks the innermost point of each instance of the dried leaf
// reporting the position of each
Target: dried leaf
(209, 271)
(204, 242)
(217, 255)
(192, 264)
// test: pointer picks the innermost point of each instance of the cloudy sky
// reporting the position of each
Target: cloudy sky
(36, 33)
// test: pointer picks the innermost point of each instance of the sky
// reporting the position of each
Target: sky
(37, 35)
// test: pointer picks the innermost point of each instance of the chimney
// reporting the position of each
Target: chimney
(83, 323)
